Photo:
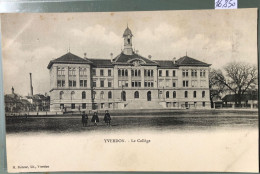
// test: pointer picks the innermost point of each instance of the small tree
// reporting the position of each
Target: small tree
(238, 78)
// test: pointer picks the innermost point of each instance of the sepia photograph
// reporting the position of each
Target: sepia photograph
(131, 91)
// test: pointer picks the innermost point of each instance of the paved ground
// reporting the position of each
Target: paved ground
(167, 121)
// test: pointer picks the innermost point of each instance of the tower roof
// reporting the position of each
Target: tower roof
(127, 32)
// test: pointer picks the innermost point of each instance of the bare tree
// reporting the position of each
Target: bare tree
(216, 87)
(238, 78)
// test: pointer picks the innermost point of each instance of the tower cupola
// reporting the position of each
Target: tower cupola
(128, 50)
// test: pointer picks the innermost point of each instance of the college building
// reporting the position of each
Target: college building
(127, 81)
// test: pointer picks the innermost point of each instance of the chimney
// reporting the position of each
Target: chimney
(31, 87)
(111, 56)
(174, 60)
(12, 90)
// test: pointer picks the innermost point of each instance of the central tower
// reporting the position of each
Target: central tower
(128, 50)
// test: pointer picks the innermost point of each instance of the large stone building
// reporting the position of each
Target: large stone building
(127, 81)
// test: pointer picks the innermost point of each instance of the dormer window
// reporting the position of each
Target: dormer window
(128, 40)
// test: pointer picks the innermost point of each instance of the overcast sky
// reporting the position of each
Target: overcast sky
(30, 41)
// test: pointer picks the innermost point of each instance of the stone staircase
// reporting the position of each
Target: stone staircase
(135, 104)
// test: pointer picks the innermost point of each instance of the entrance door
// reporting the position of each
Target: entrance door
(149, 96)
(123, 96)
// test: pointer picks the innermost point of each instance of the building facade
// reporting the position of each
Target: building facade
(127, 81)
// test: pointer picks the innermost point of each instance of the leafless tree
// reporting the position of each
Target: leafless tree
(238, 78)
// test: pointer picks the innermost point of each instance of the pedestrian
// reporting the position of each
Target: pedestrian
(84, 119)
(107, 118)
(95, 119)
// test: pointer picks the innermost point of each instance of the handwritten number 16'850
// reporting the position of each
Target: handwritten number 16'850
(225, 3)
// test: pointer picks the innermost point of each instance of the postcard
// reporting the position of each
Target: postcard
(131, 91)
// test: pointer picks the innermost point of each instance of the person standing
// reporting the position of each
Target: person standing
(84, 119)
(107, 118)
(95, 119)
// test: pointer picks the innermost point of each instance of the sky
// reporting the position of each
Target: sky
(31, 40)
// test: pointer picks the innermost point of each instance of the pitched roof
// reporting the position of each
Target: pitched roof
(104, 63)
(126, 59)
(69, 58)
(233, 97)
(166, 64)
(188, 61)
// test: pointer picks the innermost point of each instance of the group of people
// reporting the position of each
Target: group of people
(95, 118)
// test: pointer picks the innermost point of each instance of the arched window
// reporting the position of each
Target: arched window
(126, 72)
(203, 94)
(167, 94)
(139, 72)
(174, 94)
(119, 72)
(194, 94)
(151, 73)
(186, 94)
(61, 94)
(109, 94)
(83, 95)
(101, 95)
(123, 95)
(94, 94)
(136, 95)
(149, 96)
(136, 72)
(123, 72)
(72, 95)
(160, 94)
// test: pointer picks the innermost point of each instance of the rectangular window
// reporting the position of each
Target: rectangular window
(102, 83)
(83, 105)
(83, 83)
(185, 73)
(61, 83)
(94, 84)
(203, 104)
(109, 84)
(185, 83)
(61, 106)
(109, 72)
(173, 84)
(160, 73)
(101, 72)
(82, 72)
(151, 84)
(145, 84)
(72, 83)
(167, 73)
(94, 72)
(72, 106)
(102, 105)
(110, 105)
(173, 73)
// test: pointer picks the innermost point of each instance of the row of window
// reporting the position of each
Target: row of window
(167, 73)
(167, 94)
(124, 83)
(102, 72)
(83, 95)
(134, 72)
(72, 71)
(185, 73)
(136, 94)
